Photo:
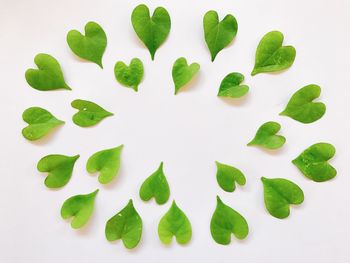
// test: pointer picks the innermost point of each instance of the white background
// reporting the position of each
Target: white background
(188, 131)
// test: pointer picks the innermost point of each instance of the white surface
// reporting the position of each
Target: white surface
(188, 131)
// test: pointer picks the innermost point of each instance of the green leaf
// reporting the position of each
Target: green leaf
(107, 162)
(227, 176)
(301, 106)
(152, 31)
(59, 168)
(91, 46)
(129, 76)
(80, 207)
(156, 186)
(183, 73)
(271, 56)
(40, 122)
(89, 113)
(48, 76)
(174, 223)
(313, 162)
(279, 194)
(218, 34)
(125, 225)
(225, 222)
(230, 87)
(266, 136)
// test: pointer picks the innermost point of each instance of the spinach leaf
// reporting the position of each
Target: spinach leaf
(48, 76)
(125, 225)
(174, 223)
(156, 186)
(230, 86)
(301, 106)
(89, 113)
(129, 76)
(107, 162)
(40, 122)
(91, 46)
(227, 176)
(152, 31)
(266, 136)
(218, 34)
(59, 168)
(183, 73)
(271, 56)
(80, 207)
(279, 194)
(225, 222)
(313, 162)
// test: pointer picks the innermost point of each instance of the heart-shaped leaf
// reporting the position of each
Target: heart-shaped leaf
(313, 162)
(301, 106)
(107, 162)
(266, 136)
(91, 46)
(59, 168)
(80, 207)
(156, 186)
(183, 73)
(40, 122)
(225, 222)
(174, 223)
(152, 31)
(125, 225)
(48, 76)
(230, 86)
(271, 56)
(129, 76)
(89, 113)
(227, 176)
(279, 194)
(218, 35)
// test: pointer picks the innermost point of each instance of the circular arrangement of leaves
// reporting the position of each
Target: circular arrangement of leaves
(271, 56)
